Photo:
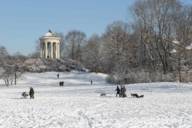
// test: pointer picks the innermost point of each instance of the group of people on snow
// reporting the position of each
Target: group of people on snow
(31, 93)
(121, 91)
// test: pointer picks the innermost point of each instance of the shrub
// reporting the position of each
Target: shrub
(140, 76)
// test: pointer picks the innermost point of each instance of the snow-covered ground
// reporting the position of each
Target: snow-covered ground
(79, 104)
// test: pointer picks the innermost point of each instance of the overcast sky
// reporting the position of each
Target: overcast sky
(22, 22)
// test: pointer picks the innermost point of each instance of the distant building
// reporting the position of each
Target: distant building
(50, 46)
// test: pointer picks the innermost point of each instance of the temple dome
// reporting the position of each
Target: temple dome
(49, 33)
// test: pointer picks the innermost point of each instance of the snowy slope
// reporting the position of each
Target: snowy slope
(79, 105)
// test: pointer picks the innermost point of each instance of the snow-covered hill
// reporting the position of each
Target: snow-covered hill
(79, 105)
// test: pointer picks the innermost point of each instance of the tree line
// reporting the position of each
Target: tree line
(147, 46)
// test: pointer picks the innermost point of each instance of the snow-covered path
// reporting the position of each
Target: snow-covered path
(165, 105)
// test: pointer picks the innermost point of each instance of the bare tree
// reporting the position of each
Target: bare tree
(155, 19)
(92, 54)
(8, 75)
(74, 41)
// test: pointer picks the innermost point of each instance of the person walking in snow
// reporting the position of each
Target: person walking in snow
(31, 93)
(117, 91)
(91, 82)
(58, 76)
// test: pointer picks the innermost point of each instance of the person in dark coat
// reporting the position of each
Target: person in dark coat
(91, 82)
(117, 91)
(123, 91)
(31, 93)
(58, 76)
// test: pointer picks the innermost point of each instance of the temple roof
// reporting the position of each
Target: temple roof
(49, 33)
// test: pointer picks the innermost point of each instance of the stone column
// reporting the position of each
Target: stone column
(41, 51)
(46, 51)
(51, 50)
(56, 50)
(59, 51)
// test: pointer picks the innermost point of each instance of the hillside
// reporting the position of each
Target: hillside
(42, 65)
